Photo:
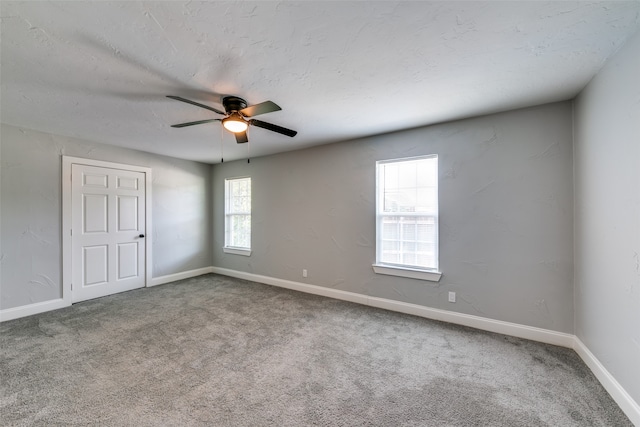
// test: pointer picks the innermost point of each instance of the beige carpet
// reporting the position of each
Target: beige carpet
(216, 351)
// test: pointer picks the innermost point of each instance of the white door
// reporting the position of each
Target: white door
(108, 228)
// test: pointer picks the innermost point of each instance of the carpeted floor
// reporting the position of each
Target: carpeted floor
(217, 351)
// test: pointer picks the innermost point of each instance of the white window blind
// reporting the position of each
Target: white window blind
(237, 220)
(407, 213)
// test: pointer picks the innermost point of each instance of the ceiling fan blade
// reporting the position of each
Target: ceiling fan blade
(262, 108)
(177, 98)
(272, 127)
(241, 137)
(199, 122)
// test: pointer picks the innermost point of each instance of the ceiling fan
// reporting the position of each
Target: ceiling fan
(237, 115)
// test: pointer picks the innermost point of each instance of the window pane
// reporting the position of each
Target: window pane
(390, 176)
(408, 247)
(426, 199)
(400, 200)
(390, 246)
(409, 230)
(392, 201)
(390, 231)
(407, 175)
(426, 232)
(240, 204)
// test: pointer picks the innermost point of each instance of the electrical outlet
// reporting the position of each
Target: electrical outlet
(304, 273)
(452, 297)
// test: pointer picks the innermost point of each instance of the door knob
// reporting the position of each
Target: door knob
(142, 235)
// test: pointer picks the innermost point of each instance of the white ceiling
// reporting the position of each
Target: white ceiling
(100, 70)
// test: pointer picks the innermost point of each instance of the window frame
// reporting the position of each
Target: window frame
(227, 248)
(401, 269)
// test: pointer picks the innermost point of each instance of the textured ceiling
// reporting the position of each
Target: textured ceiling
(100, 70)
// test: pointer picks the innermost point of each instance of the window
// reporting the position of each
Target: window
(237, 216)
(407, 218)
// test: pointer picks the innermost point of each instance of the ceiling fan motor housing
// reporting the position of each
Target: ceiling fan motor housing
(233, 103)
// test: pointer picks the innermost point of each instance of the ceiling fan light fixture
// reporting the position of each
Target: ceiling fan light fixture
(235, 123)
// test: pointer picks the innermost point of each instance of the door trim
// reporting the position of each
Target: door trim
(67, 272)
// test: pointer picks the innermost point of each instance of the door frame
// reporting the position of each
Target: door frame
(67, 212)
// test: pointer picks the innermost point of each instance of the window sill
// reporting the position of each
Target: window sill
(411, 273)
(237, 251)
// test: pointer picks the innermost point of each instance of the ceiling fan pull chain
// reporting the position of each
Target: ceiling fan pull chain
(248, 153)
(221, 145)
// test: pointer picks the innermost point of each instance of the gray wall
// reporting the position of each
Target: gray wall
(607, 220)
(506, 210)
(30, 211)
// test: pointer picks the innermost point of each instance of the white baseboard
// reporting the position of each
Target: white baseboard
(507, 328)
(161, 280)
(498, 326)
(296, 286)
(31, 309)
(629, 406)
